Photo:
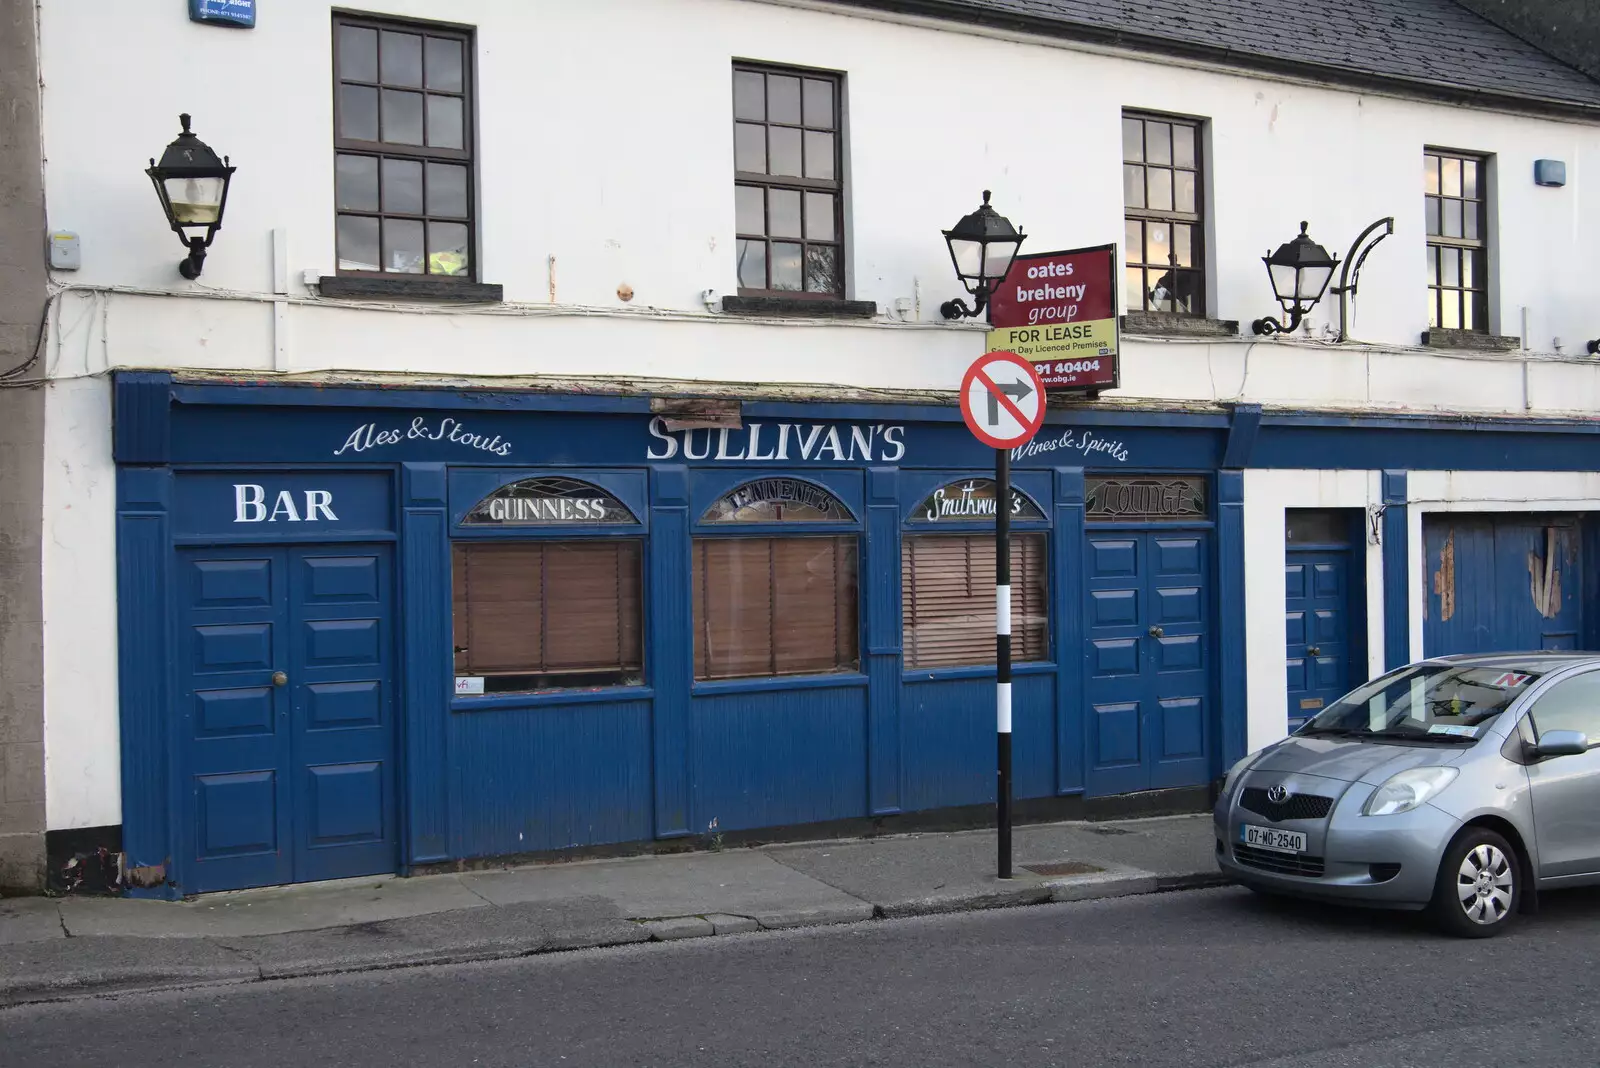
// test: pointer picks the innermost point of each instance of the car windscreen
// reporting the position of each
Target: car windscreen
(1434, 701)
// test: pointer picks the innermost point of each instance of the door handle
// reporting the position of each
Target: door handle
(279, 679)
(1157, 632)
(1313, 650)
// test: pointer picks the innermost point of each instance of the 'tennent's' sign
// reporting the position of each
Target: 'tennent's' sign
(1059, 310)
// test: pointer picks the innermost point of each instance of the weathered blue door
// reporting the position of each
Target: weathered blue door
(1320, 655)
(287, 715)
(1148, 661)
(1501, 582)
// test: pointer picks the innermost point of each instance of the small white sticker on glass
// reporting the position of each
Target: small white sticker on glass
(469, 684)
(1453, 728)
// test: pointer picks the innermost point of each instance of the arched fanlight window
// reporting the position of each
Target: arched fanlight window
(972, 500)
(778, 500)
(550, 501)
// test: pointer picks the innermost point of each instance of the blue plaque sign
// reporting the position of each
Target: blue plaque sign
(241, 13)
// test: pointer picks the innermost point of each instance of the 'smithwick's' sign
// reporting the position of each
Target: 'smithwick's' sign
(240, 13)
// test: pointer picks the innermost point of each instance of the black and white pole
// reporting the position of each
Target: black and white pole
(1002, 654)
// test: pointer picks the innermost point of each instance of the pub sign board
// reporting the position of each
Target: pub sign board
(1059, 310)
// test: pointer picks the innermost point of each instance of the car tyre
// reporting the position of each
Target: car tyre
(1479, 886)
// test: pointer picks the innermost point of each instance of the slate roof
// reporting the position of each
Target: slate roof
(1436, 47)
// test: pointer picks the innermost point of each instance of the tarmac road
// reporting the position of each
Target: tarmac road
(1213, 977)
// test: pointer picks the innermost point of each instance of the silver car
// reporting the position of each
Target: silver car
(1463, 785)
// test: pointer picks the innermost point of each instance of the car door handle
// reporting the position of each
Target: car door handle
(1157, 632)
(1313, 650)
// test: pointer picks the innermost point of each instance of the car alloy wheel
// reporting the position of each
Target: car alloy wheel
(1484, 884)
(1477, 894)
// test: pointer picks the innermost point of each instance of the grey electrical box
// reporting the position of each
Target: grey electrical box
(1552, 172)
(64, 251)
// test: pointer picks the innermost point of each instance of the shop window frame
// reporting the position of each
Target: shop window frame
(1140, 302)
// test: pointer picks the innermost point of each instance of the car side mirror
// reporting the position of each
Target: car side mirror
(1562, 743)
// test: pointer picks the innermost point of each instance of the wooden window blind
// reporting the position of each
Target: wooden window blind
(534, 615)
(947, 599)
(774, 606)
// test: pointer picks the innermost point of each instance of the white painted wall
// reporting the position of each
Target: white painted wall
(1266, 495)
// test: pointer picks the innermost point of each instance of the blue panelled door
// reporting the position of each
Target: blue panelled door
(1148, 661)
(287, 715)
(1501, 582)
(1317, 619)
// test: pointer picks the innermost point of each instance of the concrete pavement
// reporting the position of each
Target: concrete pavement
(52, 949)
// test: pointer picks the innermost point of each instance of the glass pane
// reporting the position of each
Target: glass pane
(358, 113)
(358, 54)
(402, 117)
(749, 97)
(402, 186)
(1159, 184)
(1183, 245)
(447, 190)
(358, 243)
(1132, 241)
(1157, 142)
(1450, 313)
(445, 122)
(356, 182)
(1430, 175)
(819, 216)
(1468, 320)
(1133, 186)
(1158, 243)
(1160, 291)
(1132, 140)
(1433, 308)
(1183, 147)
(822, 269)
(785, 265)
(1183, 190)
(1450, 180)
(1433, 266)
(783, 99)
(1452, 218)
(1185, 288)
(444, 64)
(785, 147)
(447, 248)
(1133, 281)
(783, 206)
(750, 148)
(402, 59)
(752, 264)
(1450, 266)
(749, 209)
(819, 104)
(1471, 277)
(819, 155)
(402, 246)
(1469, 178)
(1433, 217)
(1470, 210)
(1478, 309)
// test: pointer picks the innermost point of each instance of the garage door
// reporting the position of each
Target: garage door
(1502, 582)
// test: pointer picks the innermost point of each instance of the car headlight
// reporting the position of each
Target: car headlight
(1408, 789)
(1234, 773)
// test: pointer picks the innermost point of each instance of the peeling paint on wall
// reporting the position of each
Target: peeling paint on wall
(1544, 577)
(1444, 579)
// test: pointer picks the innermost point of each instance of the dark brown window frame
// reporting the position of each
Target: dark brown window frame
(1144, 216)
(1462, 249)
(424, 154)
(768, 182)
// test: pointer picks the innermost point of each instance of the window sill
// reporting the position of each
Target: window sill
(1469, 340)
(506, 702)
(1156, 324)
(439, 289)
(800, 307)
(974, 671)
(842, 680)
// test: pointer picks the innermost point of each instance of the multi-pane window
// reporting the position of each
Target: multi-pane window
(788, 182)
(403, 148)
(546, 614)
(947, 599)
(1458, 241)
(774, 606)
(1163, 214)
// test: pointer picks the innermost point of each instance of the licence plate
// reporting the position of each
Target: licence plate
(1267, 838)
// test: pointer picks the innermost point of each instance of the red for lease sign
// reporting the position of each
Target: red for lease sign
(1059, 310)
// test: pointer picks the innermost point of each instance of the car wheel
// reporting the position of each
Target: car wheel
(1479, 885)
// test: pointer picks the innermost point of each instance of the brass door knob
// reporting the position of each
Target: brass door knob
(1157, 632)
(279, 679)
(1313, 650)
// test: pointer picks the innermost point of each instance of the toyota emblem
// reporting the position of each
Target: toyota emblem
(1278, 793)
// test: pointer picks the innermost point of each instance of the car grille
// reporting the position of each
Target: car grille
(1279, 863)
(1293, 807)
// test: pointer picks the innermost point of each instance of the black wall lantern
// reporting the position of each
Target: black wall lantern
(193, 186)
(1300, 272)
(982, 246)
